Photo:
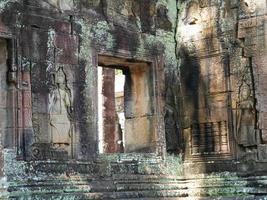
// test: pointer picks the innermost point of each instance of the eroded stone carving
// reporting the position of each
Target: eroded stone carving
(60, 111)
(262, 152)
(246, 118)
(192, 15)
(209, 138)
(248, 6)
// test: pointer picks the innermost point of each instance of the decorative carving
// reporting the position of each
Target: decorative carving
(60, 111)
(209, 138)
(192, 14)
(246, 134)
(248, 6)
(12, 64)
(25, 64)
(44, 151)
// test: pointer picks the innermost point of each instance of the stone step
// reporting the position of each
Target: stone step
(149, 186)
(101, 195)
(136, 187)
(108, 185)
(145, 177)
(97, 187)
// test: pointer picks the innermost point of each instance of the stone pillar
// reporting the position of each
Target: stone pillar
(27, 132)
(3, 99)
(139, 122)
(109, 112)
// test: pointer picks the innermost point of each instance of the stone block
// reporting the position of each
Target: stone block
(19, 118)
(27, 118)
(66, 4)
(215, 83)
(62, 27)
(262, 152)
(3, 82)
(261, 103)
(41, 127)
(211, 66)
(206, 3)
(40, 103)
(26, 78)
(140, 134)
(34, 43)
(261, 7)
(67, 49)
(3, 99)
(38, 22)
(3, 119)
(27, 100)
(247, 32)
(248, 23)
(250, 51)
(3, 27)
(63, 5)
(8, 137)
(1, 162)
(264, 135)
(263, 120)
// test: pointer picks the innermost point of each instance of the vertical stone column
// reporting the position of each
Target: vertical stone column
(109, 112)
(27, 131)
(3, 99)
(140, 133)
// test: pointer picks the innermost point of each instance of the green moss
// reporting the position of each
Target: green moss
(223, 184)
(173, 165)
(101, 34)
(4, 3)
(85, 35)
(13, 169)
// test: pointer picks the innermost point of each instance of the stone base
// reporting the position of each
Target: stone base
(122, 177)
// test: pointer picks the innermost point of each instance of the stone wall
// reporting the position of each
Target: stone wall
(56, 48)
(49, 60)
(200, 95)
(220, 50)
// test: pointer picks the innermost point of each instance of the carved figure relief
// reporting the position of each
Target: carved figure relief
(60, 111)
(192, 14)
(248, 6)
(246, 135)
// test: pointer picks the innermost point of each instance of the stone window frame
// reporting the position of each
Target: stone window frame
(12, 141)
(157, 64)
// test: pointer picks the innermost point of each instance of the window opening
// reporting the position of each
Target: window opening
(126, 122)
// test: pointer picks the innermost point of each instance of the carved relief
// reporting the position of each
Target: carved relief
(192, 14)
(209, 138)
(60, 111)
(262, 152)
(246, 118)
(248, 6)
